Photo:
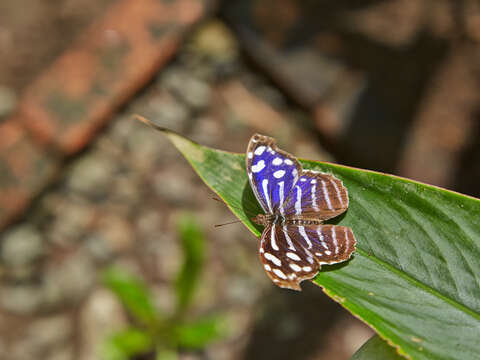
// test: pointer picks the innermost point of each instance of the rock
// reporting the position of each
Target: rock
(193, 91)
(174, 186)
(100, 317)
(168, 112)
(22, 299)
(112, 235)
(8, 101)
(20, 251)
(48, 333)
(92, 175)
(21, 246)
(48, 338)
(71, 219)
(69, 280)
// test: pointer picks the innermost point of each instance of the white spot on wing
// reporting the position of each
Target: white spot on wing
(335, 242)
(289, 240)
(320, 237)
(314, 197)
(337, 190)
(307, 268)
(326, 196)
(279, 173)
(272, 239)
(301, 229)
(282, 196)
(277, 161)
(288, 162)
(295, 267)
(273, 259)
(279, 273)
(328, 252)
(298, 203)
(259, 150)
(259, 166)
(266, 194)
(293, 256)
(303, 179)
(313, 181)
(250, 155)
(267, 267)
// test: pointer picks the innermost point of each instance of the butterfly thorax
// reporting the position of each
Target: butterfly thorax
(267, 219)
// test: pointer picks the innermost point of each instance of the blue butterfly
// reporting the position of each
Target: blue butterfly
(295, 242)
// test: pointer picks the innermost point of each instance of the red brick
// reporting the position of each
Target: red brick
(117, 55)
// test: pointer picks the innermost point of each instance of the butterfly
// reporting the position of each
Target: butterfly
(296, 202)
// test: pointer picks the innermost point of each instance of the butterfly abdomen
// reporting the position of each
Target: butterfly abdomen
(297, 221)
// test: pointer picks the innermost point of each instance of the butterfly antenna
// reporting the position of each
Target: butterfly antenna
(228, 223)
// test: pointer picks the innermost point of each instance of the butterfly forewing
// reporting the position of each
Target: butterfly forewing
(284, 259)
(316, 195)
(271, 171)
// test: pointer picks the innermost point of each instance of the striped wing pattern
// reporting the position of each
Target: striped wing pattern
(294, 243)
(317, 195)
(293, 253)
(284, 259)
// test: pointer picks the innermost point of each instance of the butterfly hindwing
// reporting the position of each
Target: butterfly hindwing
(329, 244)
(272, 172)
(317, 195)
(285, 260)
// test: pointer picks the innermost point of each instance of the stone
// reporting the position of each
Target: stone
(92, 175)
(168, 112)
(101, 315)
(47, 333)
(22, 299)
(112, 235)
(193, 91)
(69, 280)
(21, 246)
(71, 219)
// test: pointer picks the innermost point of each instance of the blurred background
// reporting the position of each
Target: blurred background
(107, 242)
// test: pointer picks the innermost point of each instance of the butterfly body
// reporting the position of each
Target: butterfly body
(269, 219)
(296, 202)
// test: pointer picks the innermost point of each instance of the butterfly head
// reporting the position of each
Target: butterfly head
(261, 219)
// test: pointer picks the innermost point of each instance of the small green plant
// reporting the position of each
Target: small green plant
(154, 331)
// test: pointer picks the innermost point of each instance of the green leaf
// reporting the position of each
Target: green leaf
(125, 344)
(376, 349)
(415, 274)
(193, 241)
(133, 294)
(197, 334)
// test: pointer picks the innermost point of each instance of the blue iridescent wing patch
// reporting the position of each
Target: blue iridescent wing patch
(272, 172)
